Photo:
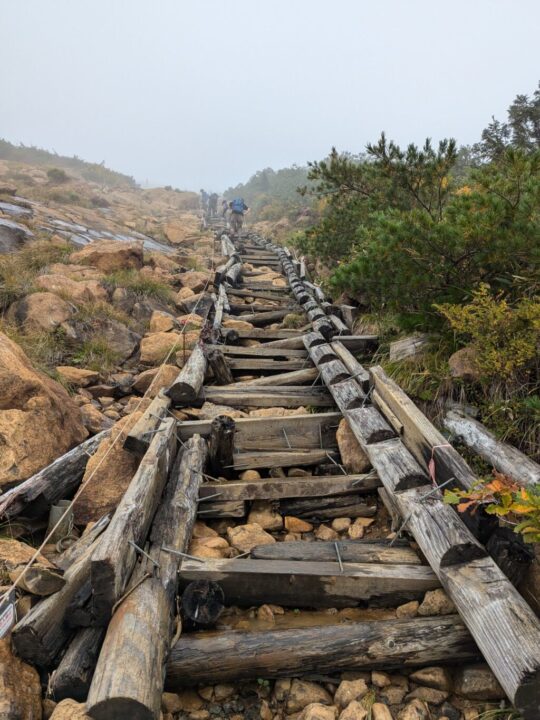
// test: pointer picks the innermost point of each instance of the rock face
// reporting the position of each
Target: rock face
(353, 457)
(20, 689)
(29, 403)
(110, 255)
(40, 311)
(112, 472)
(12, 235)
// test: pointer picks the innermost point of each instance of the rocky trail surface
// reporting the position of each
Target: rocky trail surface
(240, 518)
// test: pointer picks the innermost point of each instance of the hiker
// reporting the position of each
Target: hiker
(224, 208)
(237, 207)
(212, 204)
(204, 200)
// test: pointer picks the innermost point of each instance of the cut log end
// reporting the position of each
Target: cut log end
(203, 602)
(527, 697)
(463, 553)
(119, 707)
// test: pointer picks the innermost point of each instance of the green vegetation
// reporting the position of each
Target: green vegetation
(96, 354)
(93, 172)
(57, 176)
(140, 284)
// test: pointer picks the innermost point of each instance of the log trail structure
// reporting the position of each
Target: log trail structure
(111, 636)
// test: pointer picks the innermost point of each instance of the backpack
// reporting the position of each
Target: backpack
(237, 205)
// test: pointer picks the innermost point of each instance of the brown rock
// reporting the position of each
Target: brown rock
(380, 679)
(408, 610)
(186, 701)
(282, 688)
(191, 320)
(70, 710)
(80, 377)
(161, 322)
(188, 341)
(477, 682)
(353, 457)
(316, 711)
(348, 691)
(277, 412)
(75, 272)
(297, 525)
(156, 347)
(379, 711)
(263, 514)
(341, 524)
(209, 411)
(183, 294)
(250, 476)
(415, 710)
(209, 547)
(194, 280)
(433, 677)
(429, 695)
(41, 579)
(223, 691)
(80, 291)
(237, 324)
(246, 537)
(112, 468)
(393, 694)
(40, 311)
(354, 711)
(303, 693)
(436, 602)
(110, 255)
(94, 420)
(323, 532)
(166, 375)
(38, 419)
(464, 364)
(20, 688)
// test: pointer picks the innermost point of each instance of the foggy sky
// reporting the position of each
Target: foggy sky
(203, 93)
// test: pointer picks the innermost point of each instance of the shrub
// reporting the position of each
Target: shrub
(57, 176)
(139, 284)
(96, 354)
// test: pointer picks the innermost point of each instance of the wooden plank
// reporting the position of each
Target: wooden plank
(353, 551)
(267, 364)
(141, 434)
(115, 558)
(209, 657)
(311, 584)
(295, 377)
(503, 457)
(281, 458)
(260, 351)
(288, 396)
(128, 681)
(359, 343)
(290, 487)
(271, 433)
(58, 480)
(261, 294)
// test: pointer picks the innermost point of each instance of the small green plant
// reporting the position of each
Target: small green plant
(96, 354)
(45, 349)
(139, 284)
(294, 320)
(57, 176)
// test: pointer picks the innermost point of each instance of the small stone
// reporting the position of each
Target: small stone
(380, 679)
(303, 693)
(316, 711)
(433, 677)
(47, 707)
(201, 530)
(199, 715)
(265, 712)
(379, 711)
(393, 694)
(348, 691)
(292, 537)
(266, 614)
(354, 711)
(250, 476)
(297, 525)
(341, 524)
(323, 532)
(477, 682)
(263, 514)
(298, 472)
(223, 692)
(429, 695)
(408, 610)
(186, 701)
(415, 710)
(207, 693)
(246, 537)
(282, 688)
(436, 602)
(356, 532)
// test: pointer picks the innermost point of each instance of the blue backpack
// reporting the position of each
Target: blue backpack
(237, 205)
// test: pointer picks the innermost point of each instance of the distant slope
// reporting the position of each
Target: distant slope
(92, 172)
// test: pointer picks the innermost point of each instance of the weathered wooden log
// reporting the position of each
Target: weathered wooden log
(234, 274)
(142, 433)
(347, 394)
(295, 377)
(282, 458)
(218, 364)
(222, 270)
(503, 457)
(339, 325)
(266, 318)
(392, 460)
(58, 480)
(324, 327)
(358, 373)
(203, 603)
(333, 372)
(128, 680)
(221, 446)
(266, 364)
(115, 558)
(343, 505)
(190, 379)
(288, 396)
(319, 486)
(66, 559)
(388, 414)
(261, 294)
(73, 676)
(219, 509)
(261, 351)
(355, 551)
(311, 584)
(208, 658)
(368, 425)
(321, 353)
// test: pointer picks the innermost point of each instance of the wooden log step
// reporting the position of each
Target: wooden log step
(209, 657)
(267, 364)
(73, 676)
(265, 318)
(143, 432)
(272, 433)
(357, 371)
(369, 425)
(261, 351)
(243, 309)
(288, 396)
(58, 480)
(222, 509)
(281, 458)
(353, 551)
(332, 506)
(291, 487)
(311, 584)
(295, 377)
(190, 379)
(278, 296)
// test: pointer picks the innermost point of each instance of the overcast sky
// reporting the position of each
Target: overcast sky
(203, 93)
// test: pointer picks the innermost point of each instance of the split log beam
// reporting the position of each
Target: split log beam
(311, 584)
(503, 457)
(288, 396)
(219, 509)
(282, 458)
(66, 559)
(262, 351)
(343, 505)
(210, 658)
(128, 680)
(143, 432)
(202, 603)
(58, 480)
(218, 364)
(359, 373)
(354, 551)
(190, 379)
(73, 676)
(267, 364)
(261, 294)
(368, 425)
(115, 558)
(221, 446)
(266, 318)
(295, 377)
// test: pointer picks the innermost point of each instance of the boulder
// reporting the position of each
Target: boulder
(75, 272)
(70, 710)
(80, 291)
(156, 346)
(167, 375)
(112, 468)
(353, 458)
(12, 235)
(93, 419)
(177, 232)
(161, 322)
(246, 537)
(303, 693)
(477, 682)
(40, 311)
(464, 364)
(38, 419)
(80, 377)
(194, 280)
(110, 255)
(20, 688)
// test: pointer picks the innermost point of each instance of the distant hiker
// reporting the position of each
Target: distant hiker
(237, 207)
(224, 208)
(212, 204)
(204, 200)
